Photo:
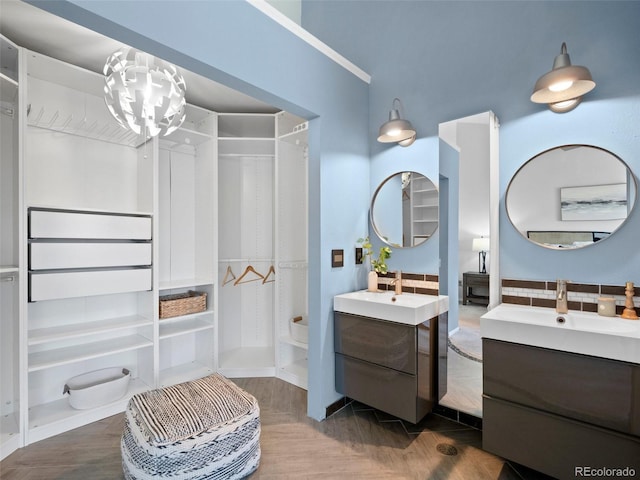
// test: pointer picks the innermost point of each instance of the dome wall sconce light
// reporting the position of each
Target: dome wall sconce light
(143, 93)
(563, 87)
(397, 129)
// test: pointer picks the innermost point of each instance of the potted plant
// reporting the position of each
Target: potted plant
(378, 265)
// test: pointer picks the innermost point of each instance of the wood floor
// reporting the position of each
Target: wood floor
(355, 443)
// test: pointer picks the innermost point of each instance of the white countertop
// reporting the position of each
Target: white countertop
(581, 332)
(407, 308)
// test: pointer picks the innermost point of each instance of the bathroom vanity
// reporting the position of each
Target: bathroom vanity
(391, 351)
(561, 393)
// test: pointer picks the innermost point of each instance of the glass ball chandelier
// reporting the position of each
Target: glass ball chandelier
(143, 93)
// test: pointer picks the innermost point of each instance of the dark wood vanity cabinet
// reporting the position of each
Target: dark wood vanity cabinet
(557, 411)
(397, 368)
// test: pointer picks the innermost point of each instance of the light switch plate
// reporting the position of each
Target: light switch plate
(337, 258)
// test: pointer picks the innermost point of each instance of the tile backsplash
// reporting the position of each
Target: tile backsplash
(421, 283)
(580, 296)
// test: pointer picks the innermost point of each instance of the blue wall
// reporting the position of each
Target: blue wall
(235, 44)
(448, 60)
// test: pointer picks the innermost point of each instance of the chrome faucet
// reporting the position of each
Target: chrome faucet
(561, 297)
(397, 283)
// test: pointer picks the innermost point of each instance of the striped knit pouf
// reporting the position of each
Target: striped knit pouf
(204, 429)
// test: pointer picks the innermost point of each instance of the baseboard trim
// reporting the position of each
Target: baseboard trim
(337, 406)
(458, 416)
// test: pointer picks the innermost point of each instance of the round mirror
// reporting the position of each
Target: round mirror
(570, 196)
(404, 209)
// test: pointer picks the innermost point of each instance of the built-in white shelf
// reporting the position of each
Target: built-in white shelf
(85, 351)
(185, 283)
(8, 427)
(290, 341)
(8, 88)
(180, 326)
(133, 213)
(296, 373)
(44, 335)
(259, 147)
(8, 269)
(10, 438)
(247, 362)
(184, 373)
(58, 416)
(185, 136)
(426, 221)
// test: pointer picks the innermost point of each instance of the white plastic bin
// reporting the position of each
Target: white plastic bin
(299, 329)
(97, 388)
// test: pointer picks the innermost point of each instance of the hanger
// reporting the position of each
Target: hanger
(271, 270)
(248, 270)
(228, 273)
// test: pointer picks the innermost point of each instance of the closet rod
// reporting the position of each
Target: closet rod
(223, 260)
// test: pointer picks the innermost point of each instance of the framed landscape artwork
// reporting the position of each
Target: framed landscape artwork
(595, 202)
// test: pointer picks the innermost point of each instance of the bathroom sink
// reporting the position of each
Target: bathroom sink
(579, 332)
(408, 308)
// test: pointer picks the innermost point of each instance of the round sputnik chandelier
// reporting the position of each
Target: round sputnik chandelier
(143, 93)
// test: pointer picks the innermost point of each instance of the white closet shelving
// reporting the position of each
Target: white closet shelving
(10, 252)
(291, 245)
(78, 173)
(424, 208)
(187, 216)
(98, 224)
(246, 162)
(263, 224)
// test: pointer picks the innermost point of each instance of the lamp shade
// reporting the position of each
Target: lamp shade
(143, 93)
(563, 82)
(480, 244)
(397, 129)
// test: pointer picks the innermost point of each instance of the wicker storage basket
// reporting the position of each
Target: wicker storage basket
(182, 304)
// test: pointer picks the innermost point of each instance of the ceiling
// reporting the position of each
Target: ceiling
(39, 31)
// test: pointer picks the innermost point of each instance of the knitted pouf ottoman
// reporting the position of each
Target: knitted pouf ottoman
(204, 429)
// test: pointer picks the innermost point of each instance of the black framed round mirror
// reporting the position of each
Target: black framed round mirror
(571, 196)
(404, 209)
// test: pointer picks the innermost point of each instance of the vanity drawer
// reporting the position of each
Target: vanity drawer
(384, 343)
(83, 225)
(595, 390)
(44, 256)
(552, 444)
(50, 286)
(383, 388)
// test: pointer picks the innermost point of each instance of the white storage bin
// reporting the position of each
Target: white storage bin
(51, 286)
(61, 224)
(45, 256)
(97, 388)
(299, 329)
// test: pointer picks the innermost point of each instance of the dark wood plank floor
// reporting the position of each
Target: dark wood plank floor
(355, 443)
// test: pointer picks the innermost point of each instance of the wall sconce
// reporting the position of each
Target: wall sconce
(144, 94)
(397, 129)
(481, 245)
(563, 87)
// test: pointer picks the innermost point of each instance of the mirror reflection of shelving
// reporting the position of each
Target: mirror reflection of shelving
(424, 208)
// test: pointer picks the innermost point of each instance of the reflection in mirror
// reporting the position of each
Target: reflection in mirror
(404, 209)
(570, 196)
